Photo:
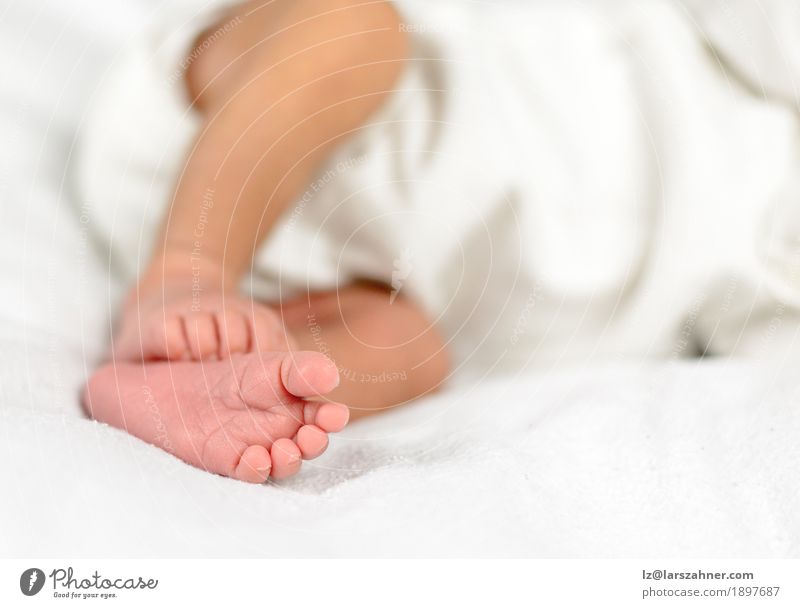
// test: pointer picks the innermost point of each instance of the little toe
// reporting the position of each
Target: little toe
(330, 417)
(312, 441)
(164, 339)
(254, 465)
(286, 458)
(308, 374)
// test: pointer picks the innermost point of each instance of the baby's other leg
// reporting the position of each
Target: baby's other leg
(387, 351)
(288, 83)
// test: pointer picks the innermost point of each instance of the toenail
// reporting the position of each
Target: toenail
(304, 369)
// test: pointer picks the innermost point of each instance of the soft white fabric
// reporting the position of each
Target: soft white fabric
(695, 458)
(758, 40)
(676, 460)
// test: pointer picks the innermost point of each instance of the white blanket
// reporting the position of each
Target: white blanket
(673, 459)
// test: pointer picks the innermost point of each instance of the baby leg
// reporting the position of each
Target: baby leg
(276, 95)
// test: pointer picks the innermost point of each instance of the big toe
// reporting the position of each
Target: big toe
(308, 374)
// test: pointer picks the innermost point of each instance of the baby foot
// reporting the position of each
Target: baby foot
(182, 327)
(249, 418)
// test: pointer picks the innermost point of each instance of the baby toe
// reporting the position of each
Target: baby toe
(330, 417)
(286, 458)
(171, 339)
(312, 441)
(202, 335)
(308, 374)
(254, 465)
(234, 333)
(161, 339)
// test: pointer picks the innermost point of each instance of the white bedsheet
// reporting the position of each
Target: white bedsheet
(676, 459)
